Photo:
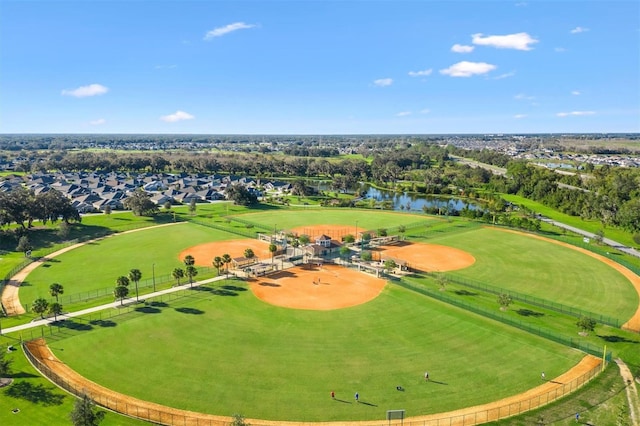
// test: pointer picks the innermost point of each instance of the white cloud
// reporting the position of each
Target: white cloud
(468, 69)
(575, 113)
(522, 96)
(98, 122)
(505, 75)
(521, 4)
(403, 113)
(518, 116)
(576, 93)
(461, 48)
(220, 31)
(383, 82)
(177, 116)
(425, 111)
(519, 41)
(84, 91)
(422, 73)
(560, 49)
(578, 30)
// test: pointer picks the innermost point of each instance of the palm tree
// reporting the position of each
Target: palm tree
(226, 259)
(135, 275)
(55, 309)
(217, 263)
(122, 281)
(56, 289)
(121, 292)
(177, 274)
(191, 272)
(40, 306)
(189, 260)
(273, 249)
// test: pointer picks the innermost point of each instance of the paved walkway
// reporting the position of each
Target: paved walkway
(619, 246)
(130, 300)
(632, 392)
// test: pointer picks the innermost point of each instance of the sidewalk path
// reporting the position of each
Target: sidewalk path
(131, 300)
(607, 241)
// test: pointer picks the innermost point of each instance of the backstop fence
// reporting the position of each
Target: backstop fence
(168, 416)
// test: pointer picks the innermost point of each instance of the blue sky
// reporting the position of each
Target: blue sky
(311, 67)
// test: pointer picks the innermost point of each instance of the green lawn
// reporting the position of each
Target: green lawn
(40, 402)
(97, 265)
(226, 354)
(545, 270)
(366, 219)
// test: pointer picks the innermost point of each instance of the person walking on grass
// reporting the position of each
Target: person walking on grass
(357, 397)
(426, 376)
(543, 376)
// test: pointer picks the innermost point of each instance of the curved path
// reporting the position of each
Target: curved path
(533, 398)
(10, 297)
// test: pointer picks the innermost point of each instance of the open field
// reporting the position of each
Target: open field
(225, 354)
(545, 270)
(189, 335)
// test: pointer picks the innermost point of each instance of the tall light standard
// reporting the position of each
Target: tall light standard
(153, 275)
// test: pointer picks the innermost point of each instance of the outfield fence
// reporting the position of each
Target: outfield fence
(247, 233)
(146, 285)
(158, 414)
(502, 317)
(532, 300)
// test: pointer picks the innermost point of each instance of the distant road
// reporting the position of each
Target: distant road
(502, 171)
(607, 241)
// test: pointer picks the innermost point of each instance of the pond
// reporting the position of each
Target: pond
(415, 202)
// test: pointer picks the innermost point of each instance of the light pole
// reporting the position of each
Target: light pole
(153, 275)
(356, 236)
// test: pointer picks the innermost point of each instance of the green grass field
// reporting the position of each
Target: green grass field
(238, 354)
(545, 270)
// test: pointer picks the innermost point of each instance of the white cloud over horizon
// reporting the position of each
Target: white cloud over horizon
(403, 113)
(578, 30)
(85, 91)
(461, 48)
(383, 82)
(519, 116)
(468, 69)
(575, 113)
(425, 111)
(177, 116)
(518, 41)
(98, 122)
(422, 73)
(220, 31)
(576, 93)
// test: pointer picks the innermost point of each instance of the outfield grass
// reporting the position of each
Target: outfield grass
(545, 270)
(366, 219)
(238, 354)
(97, 265)
(39, 401)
